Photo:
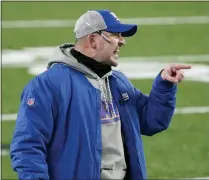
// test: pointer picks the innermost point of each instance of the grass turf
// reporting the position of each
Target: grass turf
(182, 150)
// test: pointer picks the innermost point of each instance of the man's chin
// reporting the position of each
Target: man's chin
(111, 62)
(114, 62)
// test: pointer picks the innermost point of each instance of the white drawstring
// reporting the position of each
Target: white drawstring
(105, 98)
(110, 94)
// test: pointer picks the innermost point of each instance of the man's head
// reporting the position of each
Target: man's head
(100, 34)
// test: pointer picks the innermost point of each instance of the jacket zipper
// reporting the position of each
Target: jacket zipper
(122, 108)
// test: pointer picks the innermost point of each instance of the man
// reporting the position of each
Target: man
(82, 120)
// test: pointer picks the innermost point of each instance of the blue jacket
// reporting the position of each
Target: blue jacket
(58, 129)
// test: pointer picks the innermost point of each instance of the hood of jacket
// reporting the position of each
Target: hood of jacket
(62, 54)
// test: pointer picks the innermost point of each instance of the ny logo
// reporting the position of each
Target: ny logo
(113, 14)
(125, 96)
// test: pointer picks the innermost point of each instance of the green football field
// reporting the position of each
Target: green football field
(180, 152)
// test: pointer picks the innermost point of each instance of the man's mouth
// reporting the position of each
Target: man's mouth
(116, 52)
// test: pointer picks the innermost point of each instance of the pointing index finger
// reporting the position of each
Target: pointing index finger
(181, 66)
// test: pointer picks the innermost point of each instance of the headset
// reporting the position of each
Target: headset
(99, 32)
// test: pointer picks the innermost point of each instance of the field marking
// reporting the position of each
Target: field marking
(166, 58)
(145, 70)
(23, 57)
(58, 23)
(8, 117)
(192, 110)
(183, 110)
(196, 178)
(36, 58)
(4, 152)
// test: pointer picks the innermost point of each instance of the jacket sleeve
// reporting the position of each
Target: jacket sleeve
(156, 110)
(33, 131)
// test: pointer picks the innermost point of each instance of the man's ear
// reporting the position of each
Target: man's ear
(92, 40)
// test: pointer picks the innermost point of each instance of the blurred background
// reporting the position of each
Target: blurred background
(169, 32)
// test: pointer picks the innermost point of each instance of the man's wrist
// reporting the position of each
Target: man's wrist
(162, 84)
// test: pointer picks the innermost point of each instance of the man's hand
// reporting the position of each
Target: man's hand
(174, 73)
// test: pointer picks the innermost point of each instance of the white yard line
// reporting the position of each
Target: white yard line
(166, 58)
(141, 67)
(184, 110)
(58, 23)
(192, 110)
(9, 117)
(24, 57)
(196, 178)
(4, 152)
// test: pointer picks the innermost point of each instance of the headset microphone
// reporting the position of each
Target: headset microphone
(105, 37)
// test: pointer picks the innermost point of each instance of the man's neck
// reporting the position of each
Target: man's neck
(98, 68)
(84, 50)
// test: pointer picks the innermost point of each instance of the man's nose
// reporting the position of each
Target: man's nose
(121, 41)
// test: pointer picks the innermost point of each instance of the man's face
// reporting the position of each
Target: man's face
(108, 52)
